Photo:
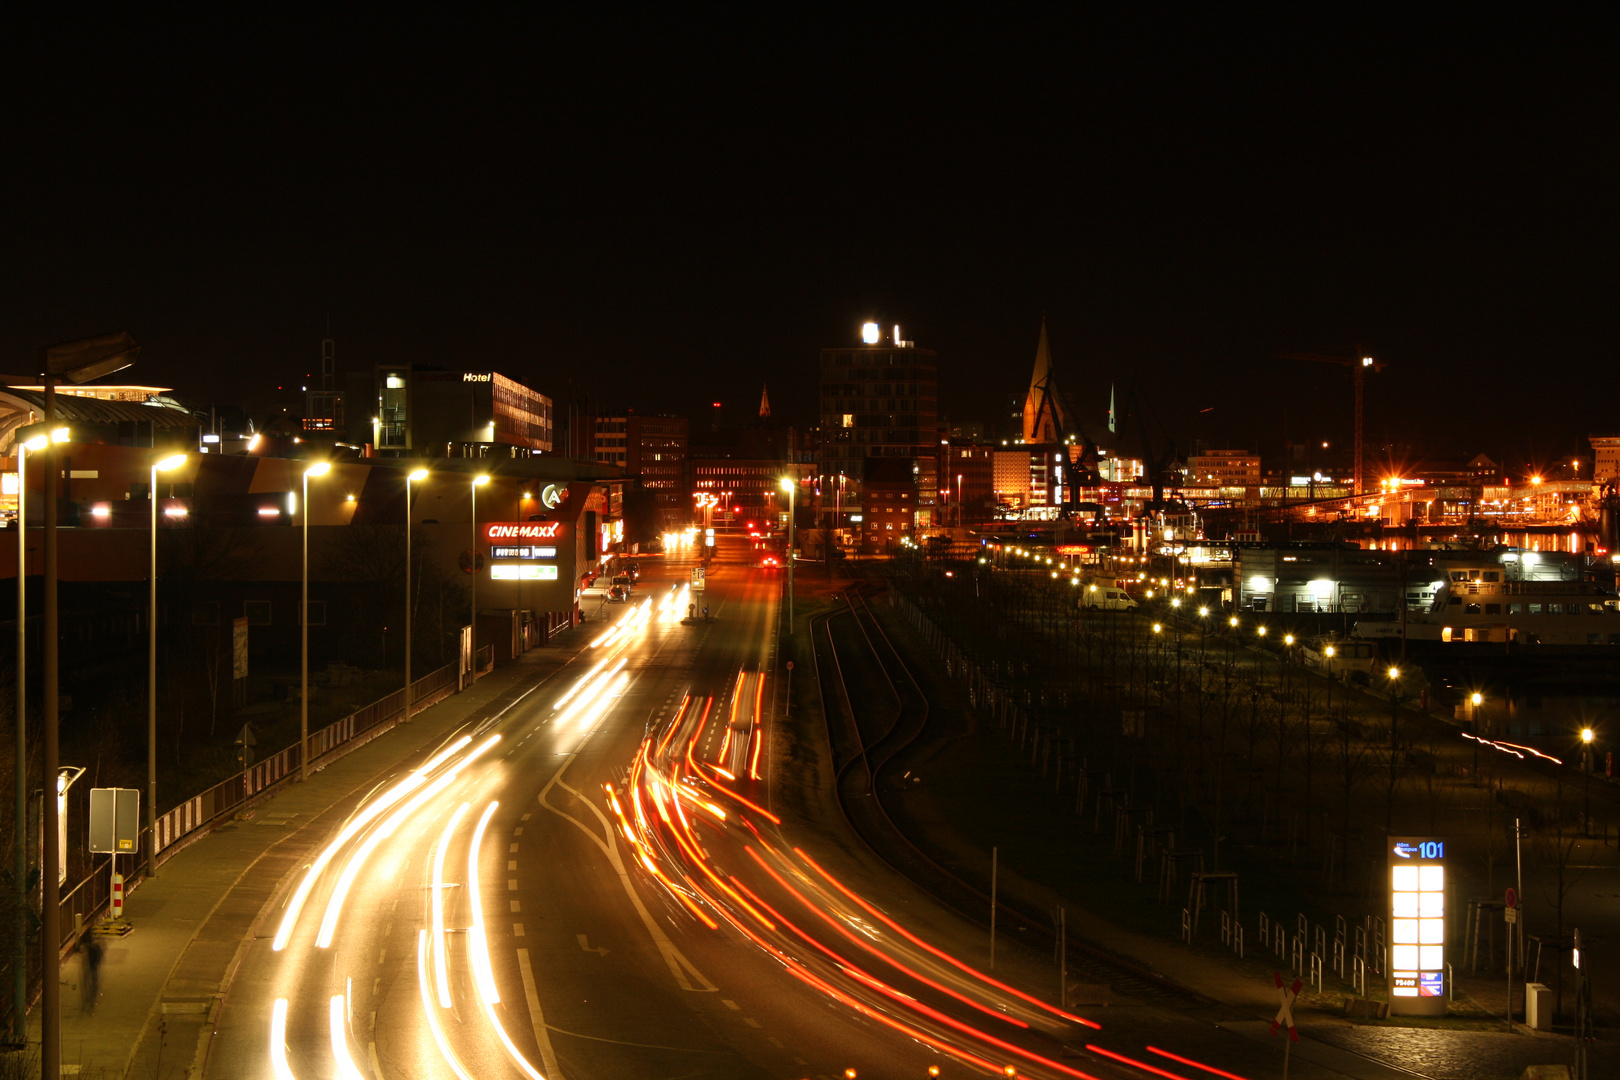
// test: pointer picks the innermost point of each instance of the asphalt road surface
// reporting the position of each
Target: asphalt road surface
(595, 883)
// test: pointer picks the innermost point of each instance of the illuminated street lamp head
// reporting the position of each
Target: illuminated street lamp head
(1288, 639)
(170, 462)
(1203, 612)
(787, 483)
(1158, 628)
(1261, 630)
(1394, 673)
(1233, 621)
(1586, 735)
(481, 479)
(1366, 361)
(1477, 699)
(418, 475)
(1329, 651)
(35, 444)
(61, 434)
(870, 333)
(320, 468)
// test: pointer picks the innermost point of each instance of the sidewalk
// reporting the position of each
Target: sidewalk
(162, 984)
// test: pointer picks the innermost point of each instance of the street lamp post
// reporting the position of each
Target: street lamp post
(320, 468)
(20, 820)
(477, 482)
(411, 478)
(1394, 742)
(74, 361)
(1586, 767)
(791, 488)
(151, 671)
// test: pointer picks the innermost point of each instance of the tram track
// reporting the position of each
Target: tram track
(875, 710)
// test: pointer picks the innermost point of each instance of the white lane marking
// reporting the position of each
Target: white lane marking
(511, 884)
(732, 1005)
(516, 907)
(511, 849)
(679, 965)
(376, 1068)
(548, 1057)
(517, 929)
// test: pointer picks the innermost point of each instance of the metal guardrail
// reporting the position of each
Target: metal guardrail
(87, 899)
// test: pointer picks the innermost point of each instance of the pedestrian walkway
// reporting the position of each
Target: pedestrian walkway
(161, 985)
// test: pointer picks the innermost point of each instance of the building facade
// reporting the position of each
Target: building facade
(880, 400)
(451, 413)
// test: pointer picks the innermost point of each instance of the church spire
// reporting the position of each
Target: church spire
(764, 402)
(1044, 416)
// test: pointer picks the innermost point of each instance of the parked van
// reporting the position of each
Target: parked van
(1106, 597)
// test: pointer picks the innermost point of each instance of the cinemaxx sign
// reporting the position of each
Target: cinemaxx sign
(523, 530)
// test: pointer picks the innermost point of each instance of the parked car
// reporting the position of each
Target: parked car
(618, 594)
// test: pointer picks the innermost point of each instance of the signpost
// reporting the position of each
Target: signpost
(1286, 996)
(115, 829)
(1510, 915)
(698, 575)
(1417, 924)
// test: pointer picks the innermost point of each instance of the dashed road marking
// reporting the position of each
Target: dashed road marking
(729, 1004)
(511, 884)
(517, 929)
(516, 906)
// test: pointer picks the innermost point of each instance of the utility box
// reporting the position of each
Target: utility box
(1538, 1006)
(115, 820)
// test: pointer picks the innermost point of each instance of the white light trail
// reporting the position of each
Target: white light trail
(427, 1006)
(278, 1041)
(358, 822)
(340, 1043)
(439, 962)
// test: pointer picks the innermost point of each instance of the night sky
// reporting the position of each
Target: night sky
(670, 207)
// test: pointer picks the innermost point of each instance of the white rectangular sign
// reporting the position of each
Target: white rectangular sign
(698, 574)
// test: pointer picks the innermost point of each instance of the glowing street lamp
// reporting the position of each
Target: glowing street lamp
(320, 468)
(477, 482)
(151, 666)
(792, 489)
(20, 821)
(411, 478)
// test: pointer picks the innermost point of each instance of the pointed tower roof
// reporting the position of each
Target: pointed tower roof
(764, 402)
(1045, 418)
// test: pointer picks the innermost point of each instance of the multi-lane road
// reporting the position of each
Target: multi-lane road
(595, 882)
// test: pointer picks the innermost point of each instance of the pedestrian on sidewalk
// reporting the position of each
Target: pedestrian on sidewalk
(90, 977)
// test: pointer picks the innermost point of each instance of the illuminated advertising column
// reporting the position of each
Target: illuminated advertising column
(1417, 926)
(523, 550)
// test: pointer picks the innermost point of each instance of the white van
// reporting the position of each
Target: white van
(1106, 598)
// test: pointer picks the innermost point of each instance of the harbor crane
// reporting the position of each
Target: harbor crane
(1359, 365)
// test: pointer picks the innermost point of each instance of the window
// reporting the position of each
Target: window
(1471, 609)
(257, 612)
(1493, 609)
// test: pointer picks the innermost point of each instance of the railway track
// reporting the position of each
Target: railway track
(876, 708)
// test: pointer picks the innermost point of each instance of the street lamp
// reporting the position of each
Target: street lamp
(1586, 767)
(477, 482)
(411, 478)
(20, 821)
(320, 468)
(151, 669)
(1394, 674)
(792, 489)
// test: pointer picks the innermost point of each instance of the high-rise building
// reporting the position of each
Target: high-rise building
(653, 449)
(880, 400)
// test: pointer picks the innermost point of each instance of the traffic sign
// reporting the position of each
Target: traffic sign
(698, 574)
(1285, 1013)
(1512, 898)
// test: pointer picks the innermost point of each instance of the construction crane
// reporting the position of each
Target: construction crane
(1359, 365)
